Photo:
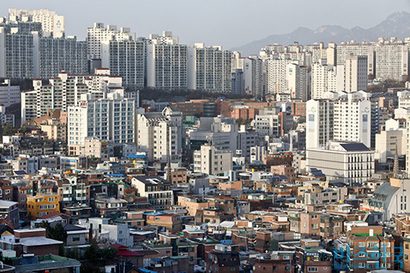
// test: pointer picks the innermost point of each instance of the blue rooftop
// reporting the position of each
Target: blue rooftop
(136, 156)
(153, 213)
(226, 242)
(357, 147)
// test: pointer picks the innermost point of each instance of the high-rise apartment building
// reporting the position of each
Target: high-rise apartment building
(345, 49)
(108, 118)
(209, 69)
(391, 60)
(352, 118)
(52, 25)
(166, 62)
(253, 76)
(127, 59)
(159, 134)
(99, 34)
(65, 90)
(355, 73)
(60, 54)
(276, 76)
(17, 54)
(297, 81)
(323, 79)
(319, 123)
(344, 118)
(26, 53)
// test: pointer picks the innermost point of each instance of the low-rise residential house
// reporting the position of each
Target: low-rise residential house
(9, 213)
(223, 262)
(110, 207)
(276, 261)
(77, 240)
(34, 241)
(156, 189)
(172, 222)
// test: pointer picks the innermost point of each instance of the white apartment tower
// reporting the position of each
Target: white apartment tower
(52, 24)
(296, 80)
(99, 34)
(355, 73)
(391, 60)
(64, 91)
(159, 134)
(352, 118)
(109, 118)
(276, 76)
(323, 79)
(319, 123)
(127, 58)
(166, 62)
(209, 68)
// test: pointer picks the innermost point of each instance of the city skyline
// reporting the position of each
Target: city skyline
(229, 24)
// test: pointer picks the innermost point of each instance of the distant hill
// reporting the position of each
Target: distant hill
(395, 25)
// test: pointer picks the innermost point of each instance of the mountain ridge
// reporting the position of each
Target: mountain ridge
(395, 25)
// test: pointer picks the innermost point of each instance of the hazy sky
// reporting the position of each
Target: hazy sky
(229, 23)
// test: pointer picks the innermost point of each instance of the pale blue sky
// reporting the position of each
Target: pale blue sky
(229, 23)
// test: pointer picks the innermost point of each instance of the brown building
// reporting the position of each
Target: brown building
(189, 108)
(278, 159)
(6, 190)
(285, 170)
(299, 109)
(230, 185)
(364, 241)
(310, 224)
(179, 176)
(192, 204)
(406, 254)
(212, 215)
(54, 124)
(172, 222)
(242, 112)
(312, 258)
(277, 261)
(223, 262)
(34, 241)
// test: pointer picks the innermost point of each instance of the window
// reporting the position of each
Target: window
(312, 269)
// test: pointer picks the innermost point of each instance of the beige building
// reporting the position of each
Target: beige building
(390, 141)
(350, 161)
(209, 160)
(54, 124)
(93, 147)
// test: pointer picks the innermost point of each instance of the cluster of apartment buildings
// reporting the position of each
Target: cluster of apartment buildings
(309, 175)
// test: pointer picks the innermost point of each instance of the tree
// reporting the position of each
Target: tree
(7, 129)
(57, 233)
